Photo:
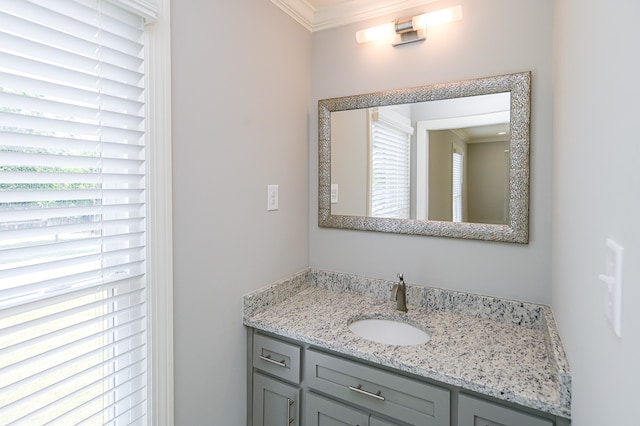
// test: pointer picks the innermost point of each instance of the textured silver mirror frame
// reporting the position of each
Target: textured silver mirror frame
(517, 231)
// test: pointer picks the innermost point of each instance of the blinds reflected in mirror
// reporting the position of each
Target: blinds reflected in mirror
(390, 162)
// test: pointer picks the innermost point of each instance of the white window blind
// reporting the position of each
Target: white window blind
(390, 164)
(73, 329)
(457, 186)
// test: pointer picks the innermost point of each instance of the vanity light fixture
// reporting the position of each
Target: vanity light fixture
(409, 30)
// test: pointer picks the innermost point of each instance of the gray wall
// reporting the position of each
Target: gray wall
(440, 175)
(350, 144)
(595, 197)
(494, 37)
(487, 181)
(240, 98)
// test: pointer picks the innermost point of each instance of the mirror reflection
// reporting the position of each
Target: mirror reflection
(448, 160)
(443, 160)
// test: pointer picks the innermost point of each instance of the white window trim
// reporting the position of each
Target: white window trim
(159, 232)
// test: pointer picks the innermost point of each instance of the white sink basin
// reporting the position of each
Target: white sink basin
(389, 332)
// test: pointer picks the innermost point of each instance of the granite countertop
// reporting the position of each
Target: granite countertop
(505, 349)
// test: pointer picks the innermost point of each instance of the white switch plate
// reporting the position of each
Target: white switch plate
(334, 193)
(272, 197)
(613, 280)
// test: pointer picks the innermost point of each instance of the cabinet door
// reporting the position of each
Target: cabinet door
(477, 412)
(325, 412)
(374, 421)
(274, 403)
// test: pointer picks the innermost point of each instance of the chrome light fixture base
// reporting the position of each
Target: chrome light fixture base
(409, 37)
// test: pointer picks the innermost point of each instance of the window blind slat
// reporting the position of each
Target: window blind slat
(43, 213)
(62, 178)
(61, 348)
(59, 128)
(67, 146)
(23, 326)
(53, 388)
(88, 114)
(100, 412)
(90, 95)
(76, 78)
(109, 64)
(89, 194)
(19, 28)
(72, 212)
(15, 257)
(59, 232)
(79, 18)
(58, 404)
(18, 277)
(67, 295)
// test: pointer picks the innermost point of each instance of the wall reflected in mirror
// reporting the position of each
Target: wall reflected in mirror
(443, 160)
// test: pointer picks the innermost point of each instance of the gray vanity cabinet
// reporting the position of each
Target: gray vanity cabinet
(293, 384)
(275, 402)
(478, 412)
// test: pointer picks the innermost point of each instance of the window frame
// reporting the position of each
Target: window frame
(159, 211)
(159, 247)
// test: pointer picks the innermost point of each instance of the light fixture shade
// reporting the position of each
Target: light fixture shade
(380, 32)
(439, 17)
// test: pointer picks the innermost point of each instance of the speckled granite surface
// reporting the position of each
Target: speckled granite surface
(506, 349)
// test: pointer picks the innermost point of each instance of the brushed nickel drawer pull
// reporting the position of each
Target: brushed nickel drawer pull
(289, 404)
(359, 389)
(273, 361)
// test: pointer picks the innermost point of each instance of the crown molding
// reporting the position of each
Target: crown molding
(342, 13)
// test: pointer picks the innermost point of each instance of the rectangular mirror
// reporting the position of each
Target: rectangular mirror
(446, 160)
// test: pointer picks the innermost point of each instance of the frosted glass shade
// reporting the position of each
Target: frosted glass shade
(380, 32)
(439, 17)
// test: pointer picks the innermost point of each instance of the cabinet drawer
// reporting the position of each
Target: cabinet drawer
(477, 412)
(389, 394)
(276, 357)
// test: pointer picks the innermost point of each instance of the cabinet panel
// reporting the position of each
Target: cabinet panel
(477, 412)
(274, 403)
(392, 395)
(374, 421)
(276, 357)
(325, 412)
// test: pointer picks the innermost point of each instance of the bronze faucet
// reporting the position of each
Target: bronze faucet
(399, 292)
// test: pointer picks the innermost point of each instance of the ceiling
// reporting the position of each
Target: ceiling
(316, 15)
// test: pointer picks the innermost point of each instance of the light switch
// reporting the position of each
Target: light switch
(334, 193)
(613, 280)
(272, 197)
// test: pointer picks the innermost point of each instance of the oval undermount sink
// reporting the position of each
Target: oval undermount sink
(389, 332)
